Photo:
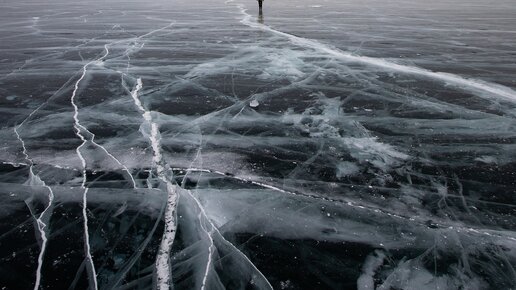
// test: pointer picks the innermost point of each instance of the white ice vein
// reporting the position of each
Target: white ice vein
(163, 278)
(44, 217)
(466, 83)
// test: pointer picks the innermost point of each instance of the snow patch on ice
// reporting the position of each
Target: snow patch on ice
(487, 159)
(372, 263)
(346, 168)
(283, 64)
(369, 149)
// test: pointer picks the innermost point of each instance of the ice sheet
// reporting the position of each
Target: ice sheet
(209, 145)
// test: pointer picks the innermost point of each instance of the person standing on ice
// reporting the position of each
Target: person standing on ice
(260, 2)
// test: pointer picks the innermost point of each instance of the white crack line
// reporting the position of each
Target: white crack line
(459, 81)
(43, 219)
(163, 269)
(92, 275)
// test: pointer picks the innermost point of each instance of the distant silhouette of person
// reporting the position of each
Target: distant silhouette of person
(260, 16)
(260, 2)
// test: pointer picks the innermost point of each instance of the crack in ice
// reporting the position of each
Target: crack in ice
(420, 221)
(43, 220)
(163, 270)
(78, 128)
(475, 84)
(214, 229)
(199, 217)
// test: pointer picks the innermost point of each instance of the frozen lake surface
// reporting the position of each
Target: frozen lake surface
(202, 144)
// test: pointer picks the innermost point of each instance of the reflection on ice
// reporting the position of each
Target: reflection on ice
(196, 146)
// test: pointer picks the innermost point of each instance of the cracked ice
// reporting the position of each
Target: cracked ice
(209, 145)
